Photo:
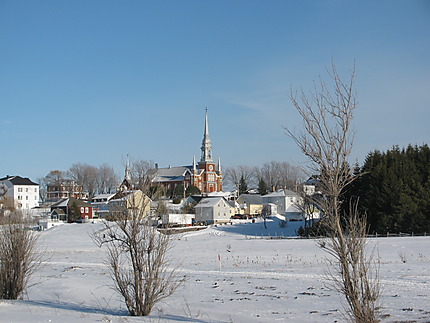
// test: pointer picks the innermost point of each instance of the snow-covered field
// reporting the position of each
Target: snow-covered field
(233, 274)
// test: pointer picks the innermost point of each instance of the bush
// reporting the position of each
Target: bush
(177, 200)
(138, 262)
(18, 257)
(315, 230)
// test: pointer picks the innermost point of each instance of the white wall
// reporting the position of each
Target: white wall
(25, 196)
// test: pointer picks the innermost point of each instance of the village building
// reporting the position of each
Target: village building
(64, 210)
(100, 205)
(206, 174)
(21, 191)
(127, 184)
(129, 204)
(250, 204)
(213, 210)
(64, 189)
(287, 203)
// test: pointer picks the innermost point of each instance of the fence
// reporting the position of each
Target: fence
(375, 235)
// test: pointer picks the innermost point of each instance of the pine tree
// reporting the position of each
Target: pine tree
(262, 187)
(394, 190)
(74, 213)
(243, 187)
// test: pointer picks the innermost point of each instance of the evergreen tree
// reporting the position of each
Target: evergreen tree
(192, 190)
(243, 187)
(179, 191)
(262, 187)
(394, 190)
(74, 213)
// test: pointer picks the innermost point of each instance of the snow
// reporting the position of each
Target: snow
(234, 273)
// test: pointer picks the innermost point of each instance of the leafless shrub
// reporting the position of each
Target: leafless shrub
(138, 261)
(18, 256)
(327, 141)
(354, 275)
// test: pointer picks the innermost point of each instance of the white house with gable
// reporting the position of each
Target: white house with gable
(23, 191)
(213, 210)
(286, 202)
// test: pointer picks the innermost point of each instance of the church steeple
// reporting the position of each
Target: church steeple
(127, 175)
(206, 142)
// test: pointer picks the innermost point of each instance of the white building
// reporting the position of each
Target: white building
(284, 199)
(21, 190)
(100, 205)
(178, 219)
(213, 210)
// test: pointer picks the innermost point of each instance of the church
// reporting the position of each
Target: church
(206, 174)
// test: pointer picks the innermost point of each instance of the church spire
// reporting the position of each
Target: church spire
(127, 169)
(206, 142)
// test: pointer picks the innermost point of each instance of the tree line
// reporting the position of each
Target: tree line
(393, 188)
(269, 177)
(92, 179)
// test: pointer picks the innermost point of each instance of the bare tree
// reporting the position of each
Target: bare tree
(139, 172)
(18, 256)
(234, 174)
(107, 180)
(280, 175)
(43, 189)
(55, 177)
(327, 140)
(137, 257)
(85, 176)
(140, 167)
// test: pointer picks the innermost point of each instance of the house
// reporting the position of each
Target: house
(206, 174)
(130, 204)
(284, 199)
(23, 192)
(312, 186)
(100, 205)
(65, 209)
(293, 213)
(234, 207)
(212, 210)
(250, 204)
(63, 189)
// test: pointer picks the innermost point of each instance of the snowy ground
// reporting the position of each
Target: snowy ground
(257, 280)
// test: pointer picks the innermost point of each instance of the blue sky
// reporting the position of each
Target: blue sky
(93, 81)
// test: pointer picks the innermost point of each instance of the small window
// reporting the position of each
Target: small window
(86, 210)
(82, 209)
